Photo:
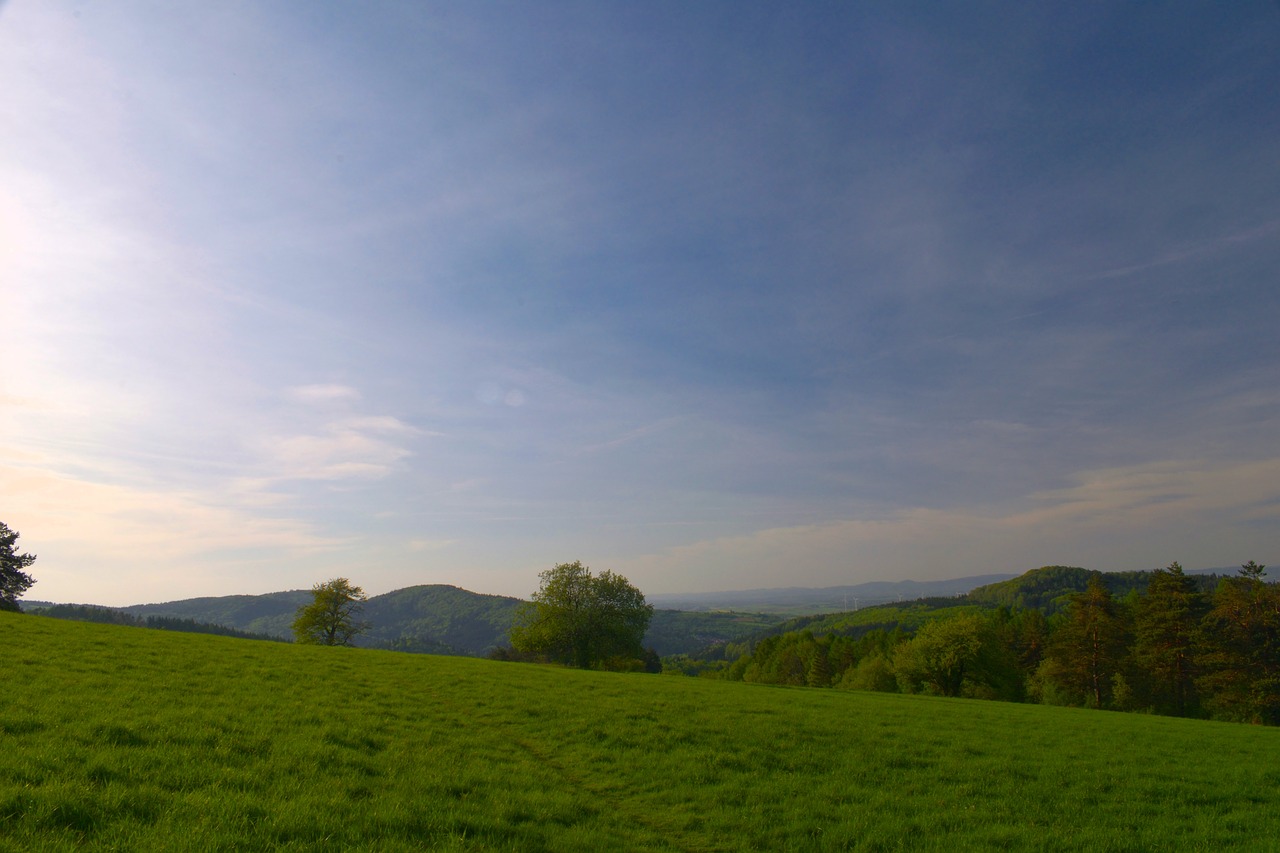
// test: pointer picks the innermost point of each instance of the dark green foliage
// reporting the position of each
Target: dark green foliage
(333, 617)
(583, 620)
(1026, 634)
(87, 613)
(1087, 647)
(112, 616)
(1156, 650)
(1049, 588)
(1165, 628)
(687, 631)
(873, 672)
(438, 619)
(13, 580)
(1241, 649)
(270, 613)
(687, 665)
(802, 659)
(414, 645)
(909, 615)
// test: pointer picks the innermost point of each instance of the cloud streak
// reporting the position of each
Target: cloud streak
(1110, 518)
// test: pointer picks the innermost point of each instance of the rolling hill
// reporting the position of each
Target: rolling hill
(440, 619)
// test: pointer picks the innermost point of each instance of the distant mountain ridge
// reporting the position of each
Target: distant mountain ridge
(269, 613)
(824, 599)
(435, 619)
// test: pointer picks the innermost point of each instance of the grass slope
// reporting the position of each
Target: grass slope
(114, 738)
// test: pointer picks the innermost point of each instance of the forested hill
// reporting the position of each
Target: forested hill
(1164, 641)
(1047, 589)
(432, 618)
(437, 618)
(269, 613)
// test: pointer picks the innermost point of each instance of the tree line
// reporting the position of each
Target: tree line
(110, 616)
(1172, 648)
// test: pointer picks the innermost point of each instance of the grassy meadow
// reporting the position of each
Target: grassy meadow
(116, 738)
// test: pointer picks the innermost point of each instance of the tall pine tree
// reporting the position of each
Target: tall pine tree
(1086, 649)
(1165, 633)
(1241, 638)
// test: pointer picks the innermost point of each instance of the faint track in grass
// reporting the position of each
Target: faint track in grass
(621, 807)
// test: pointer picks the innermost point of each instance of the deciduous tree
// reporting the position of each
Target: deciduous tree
(13, 580)
(582, 619)
(955, 656)
(332, 618)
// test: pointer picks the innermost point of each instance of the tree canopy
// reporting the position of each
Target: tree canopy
(583, 620)
(331, 619)
(1173, 644)
(13, 580)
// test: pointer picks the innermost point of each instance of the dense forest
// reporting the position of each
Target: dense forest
(1159, 642)
(114, 616)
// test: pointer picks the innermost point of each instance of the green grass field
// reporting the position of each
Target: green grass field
(128, 739)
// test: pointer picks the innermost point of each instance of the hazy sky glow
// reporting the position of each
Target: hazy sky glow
(715, 295)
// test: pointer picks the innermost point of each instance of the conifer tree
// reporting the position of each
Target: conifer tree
(1087, 648)
(1165, 633)
(13, 580)
(819, 674)
(1241, 639)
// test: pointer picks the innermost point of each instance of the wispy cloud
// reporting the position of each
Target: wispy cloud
(631, 435)
(90, 535)
(323, 394)
(352, 446)
(338, 453)
(1193, 251)
(1199, 512)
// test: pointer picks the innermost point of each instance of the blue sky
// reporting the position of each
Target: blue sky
(715, 295)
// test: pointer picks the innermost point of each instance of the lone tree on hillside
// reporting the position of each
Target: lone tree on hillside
(13, 580)
(331, 618)
(581, 619)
